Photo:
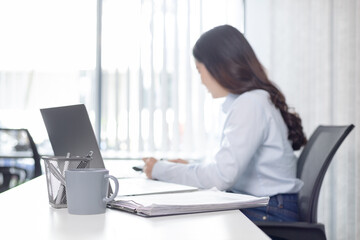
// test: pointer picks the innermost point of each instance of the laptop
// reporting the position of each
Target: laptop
(70, 130)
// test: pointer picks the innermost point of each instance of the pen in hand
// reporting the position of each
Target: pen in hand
(141, 168)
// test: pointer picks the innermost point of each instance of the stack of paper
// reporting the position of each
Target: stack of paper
(142, 186)
(186, 202)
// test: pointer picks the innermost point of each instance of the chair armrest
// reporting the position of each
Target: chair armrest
(293, 230)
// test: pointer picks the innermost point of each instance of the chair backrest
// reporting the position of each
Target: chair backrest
(24, 146)
(313, 163)
(36, 155)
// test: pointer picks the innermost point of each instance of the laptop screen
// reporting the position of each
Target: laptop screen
(70, 131)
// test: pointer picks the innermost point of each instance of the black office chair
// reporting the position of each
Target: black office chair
(311, 168)
(13, 175)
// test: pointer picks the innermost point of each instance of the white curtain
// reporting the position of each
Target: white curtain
(311, 50)
(153, 100)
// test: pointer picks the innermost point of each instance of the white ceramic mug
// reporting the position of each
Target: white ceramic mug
(87, 190)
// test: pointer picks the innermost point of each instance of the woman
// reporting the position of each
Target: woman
(259, 136)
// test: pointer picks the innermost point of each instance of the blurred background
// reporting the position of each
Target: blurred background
(130, 63)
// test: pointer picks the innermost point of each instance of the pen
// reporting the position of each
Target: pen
(140, 168)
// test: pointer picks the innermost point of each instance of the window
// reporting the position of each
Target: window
(47, 59)
(152, 100)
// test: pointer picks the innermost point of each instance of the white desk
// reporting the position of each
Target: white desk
(26, 214)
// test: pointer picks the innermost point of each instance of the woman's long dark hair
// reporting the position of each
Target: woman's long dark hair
(229, 58)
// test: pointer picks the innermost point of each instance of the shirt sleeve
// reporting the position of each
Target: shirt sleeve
(243, 133)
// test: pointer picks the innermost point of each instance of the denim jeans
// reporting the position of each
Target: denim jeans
(281, 208)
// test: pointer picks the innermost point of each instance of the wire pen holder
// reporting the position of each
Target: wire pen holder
(55, 167)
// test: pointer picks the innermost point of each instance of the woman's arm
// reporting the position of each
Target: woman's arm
(150, 162)
(244, 131)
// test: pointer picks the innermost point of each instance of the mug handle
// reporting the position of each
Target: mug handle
(112, 197)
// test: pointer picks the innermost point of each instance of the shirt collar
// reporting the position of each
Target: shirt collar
(230, 98)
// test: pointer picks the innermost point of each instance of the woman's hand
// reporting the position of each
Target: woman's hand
(149, 164)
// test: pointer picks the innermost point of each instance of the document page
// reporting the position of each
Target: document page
(188, 202)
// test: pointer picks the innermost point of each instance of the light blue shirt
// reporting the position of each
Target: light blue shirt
(255, 156)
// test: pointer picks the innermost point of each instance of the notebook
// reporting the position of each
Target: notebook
(70, 130)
